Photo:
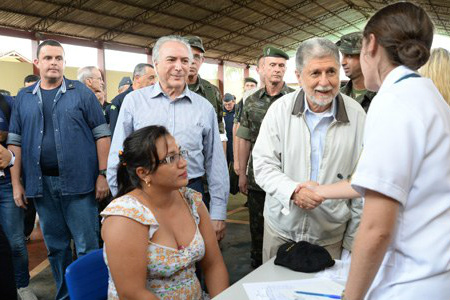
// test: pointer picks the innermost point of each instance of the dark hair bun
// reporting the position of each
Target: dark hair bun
(413, 53)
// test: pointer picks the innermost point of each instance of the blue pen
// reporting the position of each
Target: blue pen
(318, 295)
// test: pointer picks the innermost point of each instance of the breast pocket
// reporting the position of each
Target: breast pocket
(192, 137)
(73, 118)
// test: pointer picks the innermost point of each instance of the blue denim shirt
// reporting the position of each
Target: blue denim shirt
(78, 122)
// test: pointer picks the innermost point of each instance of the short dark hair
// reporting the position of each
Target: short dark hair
(140, 69)
(405, 31)
(5, 93)
(53, 43)
(31, 78)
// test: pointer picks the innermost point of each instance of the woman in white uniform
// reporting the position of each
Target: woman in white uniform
(402, 248)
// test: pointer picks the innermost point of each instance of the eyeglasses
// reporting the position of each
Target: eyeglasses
(96, 78)
(174, 158)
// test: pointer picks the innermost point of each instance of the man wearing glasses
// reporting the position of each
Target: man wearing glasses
(92, 78)
(187, 116)
(143, 76)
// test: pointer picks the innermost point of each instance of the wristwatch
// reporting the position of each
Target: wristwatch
(102, 172)
(13, 159)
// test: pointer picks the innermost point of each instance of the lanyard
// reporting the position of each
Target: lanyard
(407, 76)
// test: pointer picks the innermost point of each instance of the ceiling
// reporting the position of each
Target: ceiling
(232, 30)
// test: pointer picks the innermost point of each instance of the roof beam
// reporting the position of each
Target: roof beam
(56, 15)
(160, 11)
(325, 33)
(262, 42)
(337, 15)
(273, 19)
(250, 27)
(308, 19)
(123, 19)
(441, 22)
(429, 8)
(131, 23)
(211, 18)
(240, 3)
(69, 22)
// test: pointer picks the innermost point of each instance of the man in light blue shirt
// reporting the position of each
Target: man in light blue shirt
(190, 118)
(318, 123)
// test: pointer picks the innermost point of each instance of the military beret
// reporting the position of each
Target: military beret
(228, 97)
(270, 51)
(250, 79)
(196, 42)
(350, 43)
(124, 81)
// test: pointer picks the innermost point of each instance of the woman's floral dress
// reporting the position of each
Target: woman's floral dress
(170, 272)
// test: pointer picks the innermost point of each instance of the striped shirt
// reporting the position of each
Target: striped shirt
(192, 121)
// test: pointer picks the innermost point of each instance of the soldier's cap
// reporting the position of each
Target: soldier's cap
(124, 81)
(228, 97)
(270, 51)
(195, 41)
(350, 43)
(250, 79)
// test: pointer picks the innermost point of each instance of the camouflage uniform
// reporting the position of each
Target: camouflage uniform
(253, 112)
(363, 99)
(351, 44)
(211, 93)
(240, 105)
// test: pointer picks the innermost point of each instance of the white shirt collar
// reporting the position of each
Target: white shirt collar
(393, 76)
(331, 112)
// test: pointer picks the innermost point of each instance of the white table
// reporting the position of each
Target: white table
(267, 272)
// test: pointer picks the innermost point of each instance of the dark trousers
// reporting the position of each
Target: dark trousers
(197, 184)
(101, 206)
(256, 201)
(30, 218)
(7, 282)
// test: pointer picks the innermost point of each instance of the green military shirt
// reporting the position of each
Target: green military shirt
(364, 98)
(237, 115)
(209, 91)
(253, 112)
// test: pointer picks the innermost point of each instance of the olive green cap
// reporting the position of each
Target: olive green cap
(195, 41)
(350, 43)
(270, 51)
(250, 79)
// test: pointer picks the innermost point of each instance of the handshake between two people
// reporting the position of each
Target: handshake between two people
(308, 195)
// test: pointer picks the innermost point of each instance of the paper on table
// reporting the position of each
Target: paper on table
(285, 290)
(338, 272)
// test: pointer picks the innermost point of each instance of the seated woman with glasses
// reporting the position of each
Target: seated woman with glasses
(156, 229)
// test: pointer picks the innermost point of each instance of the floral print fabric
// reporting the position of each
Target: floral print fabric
(170, 272)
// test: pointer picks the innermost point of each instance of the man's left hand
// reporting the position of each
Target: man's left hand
(219, 227)
(101, 188)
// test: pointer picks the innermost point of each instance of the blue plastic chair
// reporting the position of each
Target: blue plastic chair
(87, 277)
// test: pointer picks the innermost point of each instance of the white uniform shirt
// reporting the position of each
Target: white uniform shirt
(406, 156)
